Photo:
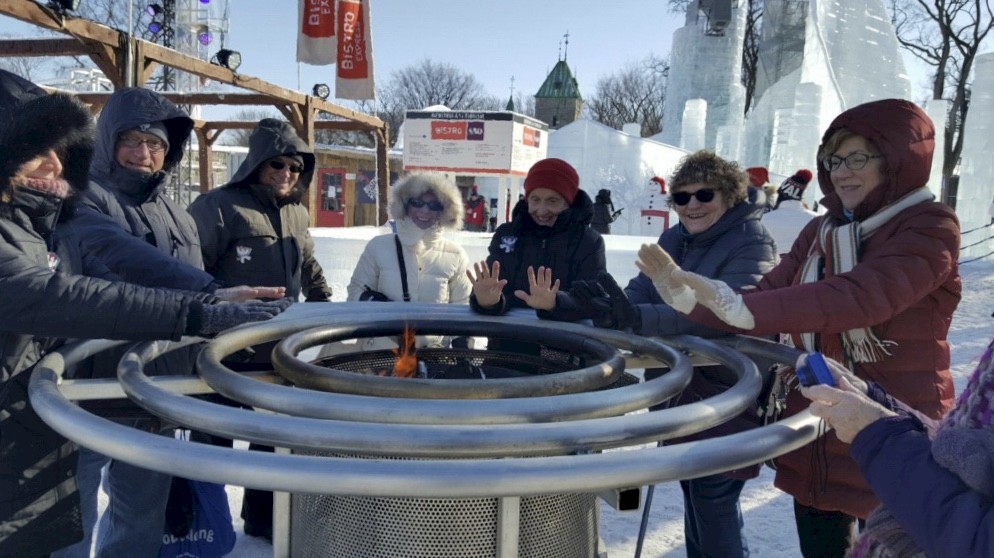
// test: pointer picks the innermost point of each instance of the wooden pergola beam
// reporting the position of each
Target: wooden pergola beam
(44, 47)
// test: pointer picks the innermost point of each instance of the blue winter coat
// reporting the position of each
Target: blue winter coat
(738, 250)
(140, 207)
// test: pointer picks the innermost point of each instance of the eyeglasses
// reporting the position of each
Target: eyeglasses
(418, 203)
(853, 161)
(280, 165)
(154, 145)
(683, 198)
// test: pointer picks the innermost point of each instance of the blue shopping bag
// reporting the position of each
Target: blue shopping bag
(207, 531)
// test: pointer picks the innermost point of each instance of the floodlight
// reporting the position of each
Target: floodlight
(64, 5)
(321, 91)
(153, 9)
(154, 27)
(204, 35)
(205, 1)
(230, 59)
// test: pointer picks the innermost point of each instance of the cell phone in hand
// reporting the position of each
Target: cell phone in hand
(815, 371)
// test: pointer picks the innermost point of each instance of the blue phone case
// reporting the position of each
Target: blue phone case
(815, 371)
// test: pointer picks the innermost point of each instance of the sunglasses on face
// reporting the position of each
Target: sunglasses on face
(683, 198)
(280, 165)
(418, 203)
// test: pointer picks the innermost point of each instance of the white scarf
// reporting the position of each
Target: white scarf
(859, 344)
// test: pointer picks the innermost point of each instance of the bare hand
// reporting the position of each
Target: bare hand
(542, 291)
(487, 285)
(242, 293)
(846, 409)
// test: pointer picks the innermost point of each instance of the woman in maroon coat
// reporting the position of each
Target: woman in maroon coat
(872, 284)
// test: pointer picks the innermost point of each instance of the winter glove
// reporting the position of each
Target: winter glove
(718, 297)
(590, 297)
(368, 294)
(659, 267)
(624, 314)
(226, 315)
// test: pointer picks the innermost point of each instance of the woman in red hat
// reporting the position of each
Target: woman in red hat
(546, 246)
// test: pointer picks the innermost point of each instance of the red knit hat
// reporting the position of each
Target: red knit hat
(758, 176)
(556, 175)
(793, 187)
(662, 183)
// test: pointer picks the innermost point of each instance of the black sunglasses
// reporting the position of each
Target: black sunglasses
(683, 198)
(280, 165)
(418, 203)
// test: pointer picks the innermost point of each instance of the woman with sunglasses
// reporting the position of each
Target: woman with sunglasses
(719, 235)
(424, 207)
(872, 284)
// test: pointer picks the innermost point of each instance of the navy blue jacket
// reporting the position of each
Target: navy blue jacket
(941, 513)
(138, 204)
(738, 250)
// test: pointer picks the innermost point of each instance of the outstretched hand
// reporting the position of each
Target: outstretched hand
(542, 290)
(718, 297)
(659, 267)
(487, 284)
(241, 293)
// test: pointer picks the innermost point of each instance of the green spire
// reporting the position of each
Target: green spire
(560, 84)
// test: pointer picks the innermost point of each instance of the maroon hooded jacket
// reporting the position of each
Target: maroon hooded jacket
(906, 286)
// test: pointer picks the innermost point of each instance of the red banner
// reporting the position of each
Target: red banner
(316, 40)
(355, 51)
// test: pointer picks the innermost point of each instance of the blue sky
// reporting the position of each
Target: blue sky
(493, 40)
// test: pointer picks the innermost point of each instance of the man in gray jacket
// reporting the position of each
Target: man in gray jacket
(253, 230)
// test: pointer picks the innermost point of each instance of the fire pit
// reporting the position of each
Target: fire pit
(515, 444)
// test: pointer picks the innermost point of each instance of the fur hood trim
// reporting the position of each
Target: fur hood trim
(59, 122)
(415, 185)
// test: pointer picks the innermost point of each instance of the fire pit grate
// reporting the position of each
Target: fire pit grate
(551, 526)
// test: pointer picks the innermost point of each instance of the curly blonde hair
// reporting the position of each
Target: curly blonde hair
(726, 177)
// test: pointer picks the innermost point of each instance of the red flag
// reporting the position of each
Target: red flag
(316, 40)
(355, 51)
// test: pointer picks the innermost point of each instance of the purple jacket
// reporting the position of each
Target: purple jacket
(942, 514)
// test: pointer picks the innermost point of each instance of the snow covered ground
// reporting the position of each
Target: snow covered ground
(768, 512)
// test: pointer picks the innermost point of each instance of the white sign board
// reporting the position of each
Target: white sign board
(473, 142)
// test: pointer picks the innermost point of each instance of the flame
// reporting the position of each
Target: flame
(406, 363)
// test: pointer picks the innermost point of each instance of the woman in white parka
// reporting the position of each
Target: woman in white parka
(423, 207)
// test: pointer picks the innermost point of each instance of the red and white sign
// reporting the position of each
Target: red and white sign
(472, 142)
(316, 40)
(355, 51)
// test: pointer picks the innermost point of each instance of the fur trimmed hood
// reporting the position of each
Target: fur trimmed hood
(32, 122)
(415, 185)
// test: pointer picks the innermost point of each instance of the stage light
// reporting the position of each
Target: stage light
(205, 1)
(64, 5)
(204, 35)
(321, 91)
(230, 59)
(153, 9)
(154, 27)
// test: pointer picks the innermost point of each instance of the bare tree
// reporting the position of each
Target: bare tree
(633, 94)
(429, 83)
(241, 137)
(750, 49)
(947, 35)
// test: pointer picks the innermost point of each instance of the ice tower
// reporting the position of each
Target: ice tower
(848, 55)
(707, 67)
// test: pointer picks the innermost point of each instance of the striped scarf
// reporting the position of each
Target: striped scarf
(837, 250)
